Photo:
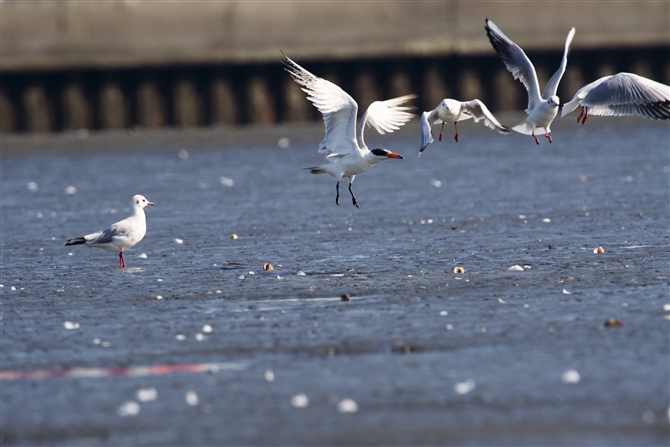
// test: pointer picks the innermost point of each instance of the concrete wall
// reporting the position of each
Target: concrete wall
(62, 35)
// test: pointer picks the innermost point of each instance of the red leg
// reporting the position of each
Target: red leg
(586, 115)
(122, 262)
(549, 137)
(456, 126)
(441, 131)
(579, 118)
(536, 140)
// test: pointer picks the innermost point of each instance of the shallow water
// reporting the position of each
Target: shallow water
(486, 203)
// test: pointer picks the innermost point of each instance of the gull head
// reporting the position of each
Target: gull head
(554, 101)
(383, 154)
(140, 201)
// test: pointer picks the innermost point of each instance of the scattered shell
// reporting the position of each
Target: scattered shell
(516, 268)
(283, 143)
(129, 409)
(570, 376)
(300, 400)
(199, 336)
(183, 154)
(565, 279)
(465, 387)
(436, 183)
(179, 241)
(613, 322)
(301, 273)
(225, 181)
(459, 269)
(444, 313)
(268, 267)
(70, 325)
(233, 236)
(142, 256)
(347, 406)
(582, 178)
(666, 307)
(566, 292)
(345, 297)
(70, 190)
(454, 227)
(32, 186)
(192, 398)
(207, 329)
(147, 394)
(667, 317)
(159, 297)
(546, 220)
(599, 250)
(269, 375)
(180, 337)
(218, 292)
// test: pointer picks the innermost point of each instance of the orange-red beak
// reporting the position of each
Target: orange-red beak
(394, 155)
(150, 203)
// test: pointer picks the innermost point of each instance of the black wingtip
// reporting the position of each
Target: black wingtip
(76, 241)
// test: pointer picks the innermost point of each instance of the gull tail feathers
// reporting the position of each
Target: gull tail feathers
(316, 170)
(76, 241)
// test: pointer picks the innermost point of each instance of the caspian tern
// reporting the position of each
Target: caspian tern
(452, 111)
(121, 235)
(541, 109)
(622, 94)
(343, 144)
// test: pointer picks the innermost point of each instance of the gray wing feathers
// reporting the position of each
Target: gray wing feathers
(552, 86)
(479, 111)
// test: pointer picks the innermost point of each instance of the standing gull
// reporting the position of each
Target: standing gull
(343, 144)
(121, 235)
(452, 111)
(620, 95)
(541, 109)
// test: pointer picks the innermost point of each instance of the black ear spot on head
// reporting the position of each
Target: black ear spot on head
(380, 152)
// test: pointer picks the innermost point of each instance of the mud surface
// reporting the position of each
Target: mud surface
(431, 357)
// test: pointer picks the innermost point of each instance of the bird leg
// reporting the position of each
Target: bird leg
(122, 262)
(456, 126)
(441, 132)
(536, 140)
(337, 188)
(583, 115)
(549, 137)
(353, 197)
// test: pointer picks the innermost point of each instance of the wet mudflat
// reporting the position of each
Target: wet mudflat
(420, 355)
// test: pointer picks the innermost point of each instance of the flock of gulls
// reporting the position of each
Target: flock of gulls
(622, 94)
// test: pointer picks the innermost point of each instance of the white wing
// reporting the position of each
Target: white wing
(581, 94)
(479, 111)
(338, 108)
(552, 86)
(624, 94)
(427, 120)
(385, 116)
(516, 62)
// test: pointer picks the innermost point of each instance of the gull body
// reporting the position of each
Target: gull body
(122, 235)
(542, 108)
(452, 111)
(622, 94)
(344, 145)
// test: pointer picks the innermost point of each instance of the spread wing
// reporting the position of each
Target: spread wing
(427, 120)
(338, 108)
(552, 86)
(479, 111)
(385, 116)
(516, 62)
(627, 94)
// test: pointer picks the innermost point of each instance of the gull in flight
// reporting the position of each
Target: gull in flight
(343, 144)
(121, 235)
(622, 94)
(542, 109)
(452, 111)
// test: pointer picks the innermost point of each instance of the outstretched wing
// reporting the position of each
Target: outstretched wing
(338, 108)
(552, 86)
(385, 116)
(427, 120)
(479, 111)
(629, 94)
(516, 62)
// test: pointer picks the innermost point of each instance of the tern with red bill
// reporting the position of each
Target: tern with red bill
(622, 94)
(121, 235)
(542, 109)
(452, 111)
(343, 144)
